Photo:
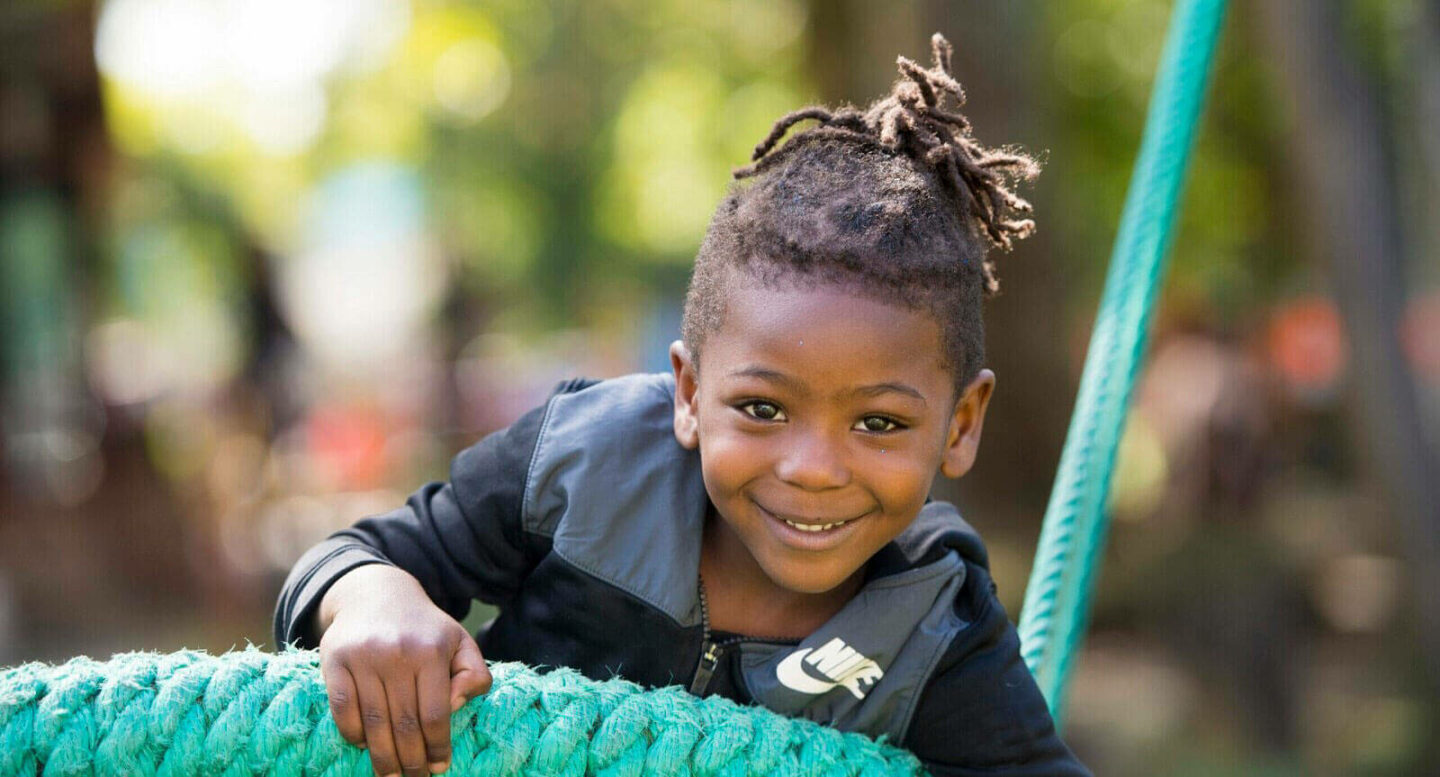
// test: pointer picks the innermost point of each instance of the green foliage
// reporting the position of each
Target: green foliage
(555, 138)
(1103, 55)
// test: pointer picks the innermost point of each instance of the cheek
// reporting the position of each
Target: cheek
(901, 479)
(728, 458)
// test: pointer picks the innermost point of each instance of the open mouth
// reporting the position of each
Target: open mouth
(816, 527)
(810, 525)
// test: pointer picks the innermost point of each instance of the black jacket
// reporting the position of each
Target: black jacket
(582, 523)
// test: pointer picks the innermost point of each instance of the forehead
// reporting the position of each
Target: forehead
(827, 336)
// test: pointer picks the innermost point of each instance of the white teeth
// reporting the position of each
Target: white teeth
(815, 527)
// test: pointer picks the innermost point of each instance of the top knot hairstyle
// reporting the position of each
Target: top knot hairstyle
(898, 201)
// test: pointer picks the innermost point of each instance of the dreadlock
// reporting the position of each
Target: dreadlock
(897, 200)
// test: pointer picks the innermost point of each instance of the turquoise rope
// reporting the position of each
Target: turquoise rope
(1053, 617)
(256, 713)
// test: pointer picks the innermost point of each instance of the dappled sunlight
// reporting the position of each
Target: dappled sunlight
(267, 265)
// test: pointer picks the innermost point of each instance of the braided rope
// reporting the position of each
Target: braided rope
(1052, 619)
(256, 713)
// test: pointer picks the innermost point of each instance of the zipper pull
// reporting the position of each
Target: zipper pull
(709, 659)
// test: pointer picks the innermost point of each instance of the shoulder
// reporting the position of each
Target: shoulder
(603, 428)
(636, 391)
(607, 429)
(978, 709)
(981, 686)
(981, 711)
(611, 486)
(509, 454)
(630, 411)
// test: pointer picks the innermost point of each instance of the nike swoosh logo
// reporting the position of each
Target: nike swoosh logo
(792, 675)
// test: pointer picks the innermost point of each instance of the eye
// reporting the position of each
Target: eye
(764, 411)
(876, 423)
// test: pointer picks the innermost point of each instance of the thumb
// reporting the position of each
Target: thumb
(469, 677)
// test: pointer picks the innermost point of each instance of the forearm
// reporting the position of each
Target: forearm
(458, 541)
(371, 583)
(297, 607)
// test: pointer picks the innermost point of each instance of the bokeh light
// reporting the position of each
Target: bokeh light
(266, 266)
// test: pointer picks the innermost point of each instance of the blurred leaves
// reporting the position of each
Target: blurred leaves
(1225, 256)
(555, 136)
(470, 200)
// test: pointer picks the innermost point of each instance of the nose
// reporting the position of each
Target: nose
(812, 461)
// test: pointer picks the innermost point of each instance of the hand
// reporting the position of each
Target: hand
(395, 668)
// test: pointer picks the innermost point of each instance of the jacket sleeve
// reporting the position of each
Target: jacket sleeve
(461, 539)
(982, 713)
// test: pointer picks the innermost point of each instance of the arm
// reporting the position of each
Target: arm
(982, 713)
(382, 601)
(460, 540)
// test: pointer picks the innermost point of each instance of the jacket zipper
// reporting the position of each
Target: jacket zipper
(710, 650)
(709, 659)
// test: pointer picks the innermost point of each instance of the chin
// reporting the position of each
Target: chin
(806, 581)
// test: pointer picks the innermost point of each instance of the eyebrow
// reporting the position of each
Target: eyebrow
(770, 376)
(884, 388)
(872, 390)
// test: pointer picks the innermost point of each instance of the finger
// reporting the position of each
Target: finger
(469, 676)
(433, 685)
(375, 717)
(405, 723)
(340, 688)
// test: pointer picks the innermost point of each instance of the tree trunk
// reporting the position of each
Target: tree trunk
(1347, 190)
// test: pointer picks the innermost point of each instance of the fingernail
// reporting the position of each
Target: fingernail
(439, 766)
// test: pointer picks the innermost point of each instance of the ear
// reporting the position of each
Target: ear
(962, 442)
(687, 383)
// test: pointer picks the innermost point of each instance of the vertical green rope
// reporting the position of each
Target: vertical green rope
(1057, 598)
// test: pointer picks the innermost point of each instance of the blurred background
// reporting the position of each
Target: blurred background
(266, 265)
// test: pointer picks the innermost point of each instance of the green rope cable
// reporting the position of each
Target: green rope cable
(257, 713)
(1057, 599)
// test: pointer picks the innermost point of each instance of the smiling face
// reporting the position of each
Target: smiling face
(822, 418)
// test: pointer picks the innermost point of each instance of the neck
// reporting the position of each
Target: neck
(743, 599)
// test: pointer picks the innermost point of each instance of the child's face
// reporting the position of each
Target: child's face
(821, 407)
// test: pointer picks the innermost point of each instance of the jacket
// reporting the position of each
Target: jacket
(582, 521)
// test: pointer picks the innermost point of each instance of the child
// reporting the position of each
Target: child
(757, 524)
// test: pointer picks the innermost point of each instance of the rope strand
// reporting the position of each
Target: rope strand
(257, 713)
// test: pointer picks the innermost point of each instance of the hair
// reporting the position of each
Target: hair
(897, 201)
